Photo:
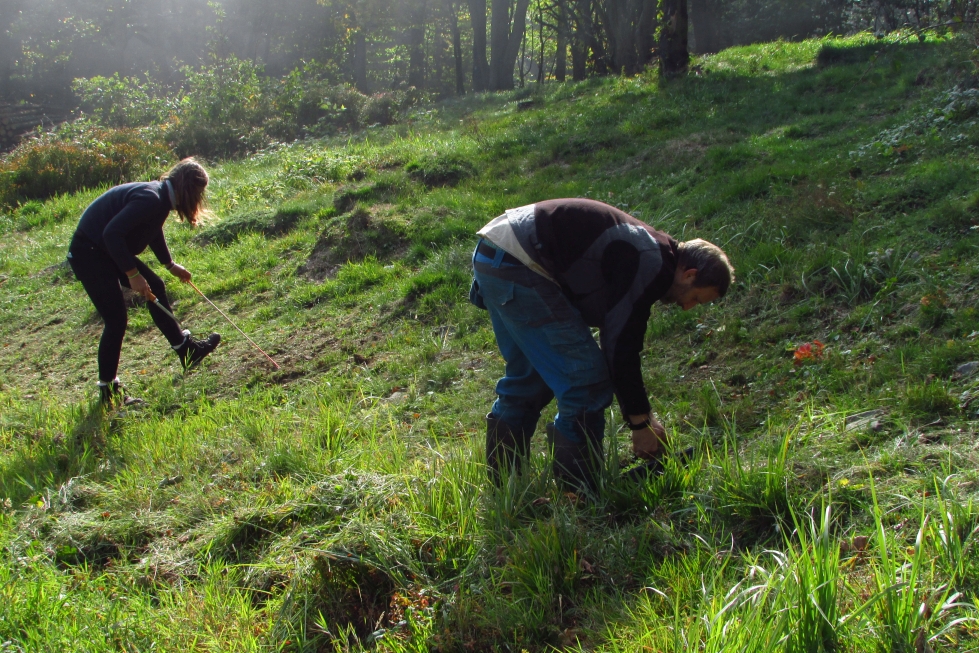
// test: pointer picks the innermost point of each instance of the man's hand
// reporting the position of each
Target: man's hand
(140, 286)
(180, 272)
(647, 443)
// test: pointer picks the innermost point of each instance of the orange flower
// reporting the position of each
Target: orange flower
(808, 351)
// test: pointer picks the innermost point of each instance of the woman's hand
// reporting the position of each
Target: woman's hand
(140, 286)
(647, 443)
(180, 272)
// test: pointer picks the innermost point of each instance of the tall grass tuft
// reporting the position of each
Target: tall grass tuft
(756, 496)
(955, 531)
(816, 581)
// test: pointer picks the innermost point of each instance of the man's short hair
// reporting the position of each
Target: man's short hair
(711, 263)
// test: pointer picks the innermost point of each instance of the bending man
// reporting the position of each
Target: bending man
(549, 272)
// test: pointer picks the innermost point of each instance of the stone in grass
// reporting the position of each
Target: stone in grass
(395, 398)
(965, 370)
(171, 481)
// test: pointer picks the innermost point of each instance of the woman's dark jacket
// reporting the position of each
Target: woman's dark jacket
(127, 219)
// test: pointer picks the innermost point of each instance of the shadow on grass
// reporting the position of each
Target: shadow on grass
(43, 461)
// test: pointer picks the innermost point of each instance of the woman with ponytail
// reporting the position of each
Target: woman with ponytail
(117, 226)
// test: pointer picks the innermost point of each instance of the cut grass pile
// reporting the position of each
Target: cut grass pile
(341, 503)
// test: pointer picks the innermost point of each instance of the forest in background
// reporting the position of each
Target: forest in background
(101, 92)
(441, 47)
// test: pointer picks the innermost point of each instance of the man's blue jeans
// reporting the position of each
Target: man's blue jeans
(549, 350)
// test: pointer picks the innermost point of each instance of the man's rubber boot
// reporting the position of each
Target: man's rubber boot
(506, 448)
(192, 351)
(578, 464)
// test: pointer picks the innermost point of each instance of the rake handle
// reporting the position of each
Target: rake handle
(224, 315)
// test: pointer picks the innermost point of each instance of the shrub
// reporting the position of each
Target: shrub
(302, 99)
(383, 108)
(80, 155)
(231, 107)
(341, 105)
(222, 109)
(125, 101)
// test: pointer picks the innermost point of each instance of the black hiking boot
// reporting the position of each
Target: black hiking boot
(193, 351)
(112, 396)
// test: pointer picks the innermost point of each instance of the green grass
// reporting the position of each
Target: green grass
(341, 503)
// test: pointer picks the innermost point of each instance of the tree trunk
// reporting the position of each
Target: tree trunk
(540, 66)
(674, 56)
(561, 57)
(618, 26)
(584, 27)
(598, 53)
(360, 60)
(579, 60)
(457, 49)
(477, 16)
(522, 58)
(506, 36)
(630, 27)
(646, 32)
(416, 46)
(704, 28)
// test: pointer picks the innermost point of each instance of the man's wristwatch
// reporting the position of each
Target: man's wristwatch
(645, 424)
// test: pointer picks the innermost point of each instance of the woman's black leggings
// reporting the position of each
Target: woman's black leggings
(101, 278)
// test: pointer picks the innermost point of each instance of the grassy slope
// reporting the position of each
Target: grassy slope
(341, 498)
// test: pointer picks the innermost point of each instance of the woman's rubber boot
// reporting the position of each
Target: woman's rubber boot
(192, 351)
(506, 448)
(578, 462)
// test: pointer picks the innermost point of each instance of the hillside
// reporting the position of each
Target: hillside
(340, 503)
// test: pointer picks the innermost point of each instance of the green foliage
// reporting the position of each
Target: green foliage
(929, 400)
(125, 101)
(755, 494)
(230, 106)
(221, 110)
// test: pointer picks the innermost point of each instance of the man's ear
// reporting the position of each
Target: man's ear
(689, 275)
